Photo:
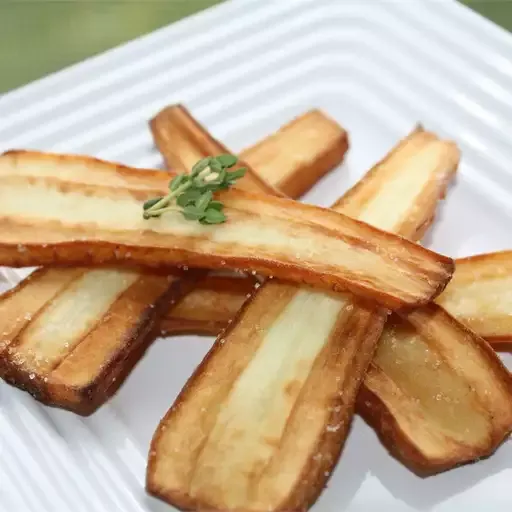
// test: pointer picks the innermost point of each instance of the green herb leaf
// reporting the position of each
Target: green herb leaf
(215, 165)
(215, 205)
(227, 160)
(213, 216)
(200, 166)
(235, 175)
(204, 200)
(194, 194)
(191, 212)
(151, 202)
(188, 197)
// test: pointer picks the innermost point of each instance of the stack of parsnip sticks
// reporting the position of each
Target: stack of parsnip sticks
(318, 312)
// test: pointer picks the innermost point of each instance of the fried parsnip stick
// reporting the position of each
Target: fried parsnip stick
(292, 160)
(261, 423)
(480, 296)
(67, 334)
(102, 316)
(53, 213)
(436, 393)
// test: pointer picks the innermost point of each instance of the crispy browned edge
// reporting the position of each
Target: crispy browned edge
(90, 253)
(87, 399)
(377, 415)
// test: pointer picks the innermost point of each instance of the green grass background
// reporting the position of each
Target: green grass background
(38, 37)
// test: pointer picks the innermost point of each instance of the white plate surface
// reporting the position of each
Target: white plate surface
(243, 69)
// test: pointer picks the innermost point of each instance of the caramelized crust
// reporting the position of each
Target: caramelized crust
(84, 372)
(261, 423)
(51, 218)
(480, 296)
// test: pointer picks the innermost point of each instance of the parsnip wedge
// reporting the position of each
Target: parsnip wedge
(53, 214)
(64, 332)
(480, 296)
(436, 393)
(261, 423)
(293, 159)
(85, 371)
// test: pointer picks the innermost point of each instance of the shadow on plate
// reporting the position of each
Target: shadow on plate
(425, 493)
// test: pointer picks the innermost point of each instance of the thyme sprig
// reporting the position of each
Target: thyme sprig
(193, 194)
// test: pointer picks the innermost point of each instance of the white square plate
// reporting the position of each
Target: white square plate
(243, 69)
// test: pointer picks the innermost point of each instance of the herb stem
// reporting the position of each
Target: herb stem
(157, 213)
(164, 202)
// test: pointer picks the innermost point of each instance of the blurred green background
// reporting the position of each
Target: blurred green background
(38, 37)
